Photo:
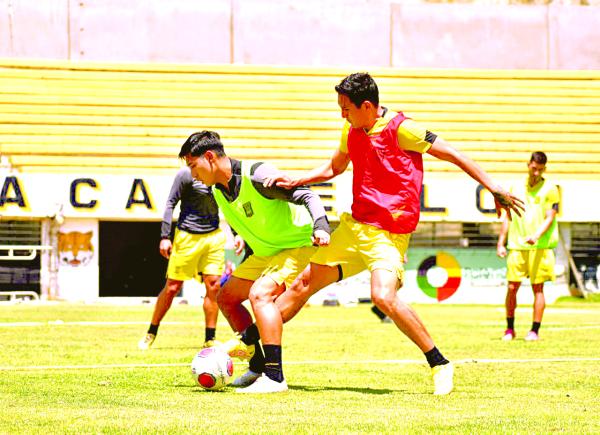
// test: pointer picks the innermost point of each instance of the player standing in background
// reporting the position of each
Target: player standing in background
(385, 149)
(198, 251)
(531, 240)
(281, 226)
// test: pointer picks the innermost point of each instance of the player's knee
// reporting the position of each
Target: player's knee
(263, 292)
(172, 288)
(382, 298)
(257, 300)
(513, 287)
(212, 288)
(380, 301)
(538, 288)
(300, 285)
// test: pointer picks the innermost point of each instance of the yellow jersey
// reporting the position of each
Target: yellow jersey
(538, 200)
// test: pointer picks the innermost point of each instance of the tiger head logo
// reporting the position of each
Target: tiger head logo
(75, 248)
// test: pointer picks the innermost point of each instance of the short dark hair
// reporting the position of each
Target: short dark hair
(538, 157)
(359, 87)
(200, 142)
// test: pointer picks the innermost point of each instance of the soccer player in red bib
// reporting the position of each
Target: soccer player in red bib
(386, 150)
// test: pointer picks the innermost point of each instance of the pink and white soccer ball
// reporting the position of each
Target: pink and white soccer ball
(212, 368)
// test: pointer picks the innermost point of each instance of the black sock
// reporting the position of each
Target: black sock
(209, 333)
(435, 358)
(257, 362)
(153, 329)
(535, 327)
(510, 323)
(378, 312)
(273, 368)
(251, 334)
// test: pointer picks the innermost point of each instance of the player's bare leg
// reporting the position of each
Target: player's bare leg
(230, 298)
(268, 317)
(511, 298)
(210, 308)
(511, 305)
(312, 279)
(163, 303)
(539, 304)
(286, 305)
(165, 299)
(270, 327)
(384, 295)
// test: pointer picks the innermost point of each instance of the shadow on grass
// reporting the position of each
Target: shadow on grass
(351, 389)
(373, 391)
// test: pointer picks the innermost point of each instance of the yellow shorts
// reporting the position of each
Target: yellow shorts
(281, 267)
(535, 264)
(356, 246)
(195, 254)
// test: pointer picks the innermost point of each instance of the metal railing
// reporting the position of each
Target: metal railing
(11, 252)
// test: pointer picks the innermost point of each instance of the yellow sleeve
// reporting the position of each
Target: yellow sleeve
(411, 137)
(344, 139)
(552, 197)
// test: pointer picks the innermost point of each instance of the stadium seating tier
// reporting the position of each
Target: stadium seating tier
(64, 116)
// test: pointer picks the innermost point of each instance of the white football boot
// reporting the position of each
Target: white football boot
(443, 379)
(146, 342)
(245, 379)
(264, 385)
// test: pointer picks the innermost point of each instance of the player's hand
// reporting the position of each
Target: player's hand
(238, 244)
(531, 240)
(280, 180)
(165, 248)
(507, 201)
(501, 251)
(320, 238)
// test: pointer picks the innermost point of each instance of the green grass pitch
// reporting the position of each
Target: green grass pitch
(75, 368)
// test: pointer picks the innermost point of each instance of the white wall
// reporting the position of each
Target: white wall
(366, 33)
(312, 32)
(469, 36)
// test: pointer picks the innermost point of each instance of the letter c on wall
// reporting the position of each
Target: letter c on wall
(74, 193)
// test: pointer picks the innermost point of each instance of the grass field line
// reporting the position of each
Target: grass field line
(552, 310)
(308, 362)
(84, 323)
(221, 324)
(571, 328)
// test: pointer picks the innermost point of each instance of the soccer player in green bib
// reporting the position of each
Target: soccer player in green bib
(531, 240)
(282, 226)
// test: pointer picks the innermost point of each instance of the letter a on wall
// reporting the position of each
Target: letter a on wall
(17, 197)
(138, 184)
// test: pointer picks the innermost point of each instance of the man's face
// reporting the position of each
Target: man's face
(358, 117)
(201, 169)
(536, 170)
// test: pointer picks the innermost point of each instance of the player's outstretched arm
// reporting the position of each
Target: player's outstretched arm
(298, 195)
(502, 198)
(334, 167)
(501, 247)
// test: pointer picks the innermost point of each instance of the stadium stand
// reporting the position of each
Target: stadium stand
(63, 116)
